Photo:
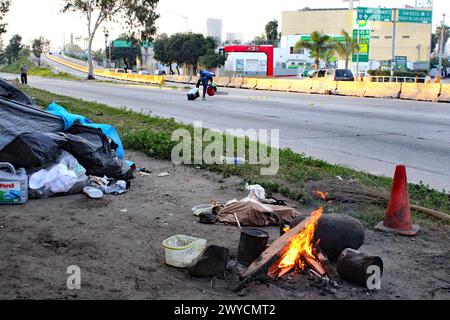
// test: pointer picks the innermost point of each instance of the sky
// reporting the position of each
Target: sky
(32, 19)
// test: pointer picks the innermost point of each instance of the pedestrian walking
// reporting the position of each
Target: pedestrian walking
(24, 74)
(204, 77)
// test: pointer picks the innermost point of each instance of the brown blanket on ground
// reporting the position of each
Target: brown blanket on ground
(252, 213)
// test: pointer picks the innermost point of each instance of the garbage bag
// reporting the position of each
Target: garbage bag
(65, 176)
(193, 94)
(71, 119)
(96, 152)
(33, 151)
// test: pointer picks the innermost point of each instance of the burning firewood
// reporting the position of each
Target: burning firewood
(295, 250)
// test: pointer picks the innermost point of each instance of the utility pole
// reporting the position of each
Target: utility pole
(394, 33)
(442, 44)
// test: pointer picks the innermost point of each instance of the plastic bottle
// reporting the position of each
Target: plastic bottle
(235, 161)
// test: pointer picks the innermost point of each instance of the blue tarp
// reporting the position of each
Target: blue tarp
(71, 119)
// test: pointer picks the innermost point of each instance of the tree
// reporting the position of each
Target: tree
(436, 37)
(129, 54)
(318, 46)
(272, 35)
(347, 47)
(99, 55)
(260, 40)
(139, 15)
(4, 9)
(212, 59)
(12, 51)
(38, 46)
(162, 51)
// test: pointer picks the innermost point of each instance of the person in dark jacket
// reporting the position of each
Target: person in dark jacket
(24, 74)
(204, 77)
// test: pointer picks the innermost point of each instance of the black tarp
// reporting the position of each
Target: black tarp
(9, 92)
(18, 115)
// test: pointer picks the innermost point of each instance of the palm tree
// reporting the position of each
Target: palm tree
(318, 46)
(347, 47)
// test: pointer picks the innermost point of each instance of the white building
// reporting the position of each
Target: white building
(214, 29)
(232, 38)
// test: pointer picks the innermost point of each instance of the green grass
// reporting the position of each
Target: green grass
(36, 70)
(152, 135)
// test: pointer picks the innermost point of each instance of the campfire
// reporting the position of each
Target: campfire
(302, 252)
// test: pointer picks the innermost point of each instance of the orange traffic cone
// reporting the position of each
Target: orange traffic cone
(398, 215)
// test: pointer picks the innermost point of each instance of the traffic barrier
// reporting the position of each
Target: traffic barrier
(222, 81)
(265, 84)
(249, 83)
(236, 82)
(302, 86)
(420, 91)
(351, 88)
(382, 89)
(281, 85)
(445, 93)
(323, 86)
(169, 78)
(194, 80)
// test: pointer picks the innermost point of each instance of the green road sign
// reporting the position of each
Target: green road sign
(364, 45)
(121, 44)
(374, 14)
(401, 62)
(415, 16)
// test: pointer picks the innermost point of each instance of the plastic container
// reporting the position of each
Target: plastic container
(253, 242)
(13, 185)
(181, 250)
(201, 209)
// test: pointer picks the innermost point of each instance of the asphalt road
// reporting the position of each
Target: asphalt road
(372, 135)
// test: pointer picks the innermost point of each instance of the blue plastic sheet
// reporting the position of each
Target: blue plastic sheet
(71, 119)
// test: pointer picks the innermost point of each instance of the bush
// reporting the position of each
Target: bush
(387, 73)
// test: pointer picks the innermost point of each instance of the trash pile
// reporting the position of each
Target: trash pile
(53, 152)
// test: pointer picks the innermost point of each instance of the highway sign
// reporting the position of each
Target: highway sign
(415, 16)
(374, 14)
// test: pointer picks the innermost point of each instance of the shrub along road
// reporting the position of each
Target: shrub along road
(371, 135)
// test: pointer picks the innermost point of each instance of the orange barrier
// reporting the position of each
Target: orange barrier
(382, 89)
(420, 91)
(236, 82)
(249, 83)
(302, 86)
(351, 88)
(323, 86)
(265, 84)
(445, 93)
(222, 81)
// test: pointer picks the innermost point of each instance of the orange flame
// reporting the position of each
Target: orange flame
(301, 248)
(321, 194)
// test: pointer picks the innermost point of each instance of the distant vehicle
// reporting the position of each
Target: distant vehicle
(333, 74)
(160, 73)
(144, 72)
(120, 71)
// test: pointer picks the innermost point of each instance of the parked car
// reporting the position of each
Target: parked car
(334, 74)
(144, 73)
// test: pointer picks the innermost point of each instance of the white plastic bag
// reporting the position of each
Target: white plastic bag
(256, 190)
(65, 176)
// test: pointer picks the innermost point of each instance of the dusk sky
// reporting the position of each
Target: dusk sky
(34, 18)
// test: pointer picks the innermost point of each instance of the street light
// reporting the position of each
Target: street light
(182, 16)
(442, 44)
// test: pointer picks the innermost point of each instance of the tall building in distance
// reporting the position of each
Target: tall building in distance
(214, 29)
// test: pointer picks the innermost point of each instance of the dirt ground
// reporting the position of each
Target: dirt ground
(117, 243)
